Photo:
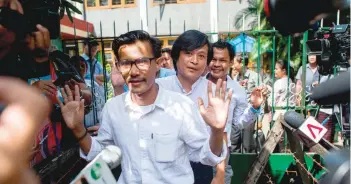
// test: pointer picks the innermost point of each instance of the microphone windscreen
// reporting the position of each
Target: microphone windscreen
(333, 91)
(112, 155)
(293, 119)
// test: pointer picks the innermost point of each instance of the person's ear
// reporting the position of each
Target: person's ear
(231, 63)
(159, 62)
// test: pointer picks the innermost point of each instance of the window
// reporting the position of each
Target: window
(107, 45)
(108, 56)
(159, 2)
(91, 3)
(170, 1)
(108, 4)
(170, 42)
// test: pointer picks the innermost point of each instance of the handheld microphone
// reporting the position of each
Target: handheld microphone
(338, 164)
(310, 132)
(99, 170)
(333, 91)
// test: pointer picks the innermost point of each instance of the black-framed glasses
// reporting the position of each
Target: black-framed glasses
(125, 66)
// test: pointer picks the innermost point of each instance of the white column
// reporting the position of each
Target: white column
(214, 19)
(338, 18)
(143, 14)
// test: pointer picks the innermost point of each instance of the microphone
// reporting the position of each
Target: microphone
(282, 14)
(338, 164)
(99, 170)
(310, 132)
(333, 91)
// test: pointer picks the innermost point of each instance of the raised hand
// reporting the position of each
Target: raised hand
(258, 96)
(215, 115)
(19, 123)
(72, 108)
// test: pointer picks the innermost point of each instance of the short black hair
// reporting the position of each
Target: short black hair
(225, 45)
(157, 46)
(284, 65)
(134, 36)
(246, 60)
(189, 41)
(90, 41)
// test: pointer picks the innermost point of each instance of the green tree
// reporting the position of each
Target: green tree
(67, 7)
(254, 14)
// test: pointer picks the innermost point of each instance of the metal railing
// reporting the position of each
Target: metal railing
(273, 34)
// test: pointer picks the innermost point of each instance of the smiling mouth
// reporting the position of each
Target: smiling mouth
(192, 69)
(216, 70)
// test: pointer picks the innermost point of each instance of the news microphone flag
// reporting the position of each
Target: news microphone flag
(311, 132)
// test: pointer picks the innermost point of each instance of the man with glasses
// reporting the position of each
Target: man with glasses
(119, 84)
(192, 53)
(158, 131)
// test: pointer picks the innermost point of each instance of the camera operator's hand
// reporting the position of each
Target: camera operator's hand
(7, 37)
(40, 42)
(19, 123)
(47, 86)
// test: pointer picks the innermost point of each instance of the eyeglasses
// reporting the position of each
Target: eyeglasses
(125, 66)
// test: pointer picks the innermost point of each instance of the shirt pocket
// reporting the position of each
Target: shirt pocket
(165, 147)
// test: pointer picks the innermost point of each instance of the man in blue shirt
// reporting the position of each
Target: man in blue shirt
(97, 67)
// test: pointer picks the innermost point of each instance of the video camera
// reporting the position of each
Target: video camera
(64, 70)
(332, 48)
(35, 12)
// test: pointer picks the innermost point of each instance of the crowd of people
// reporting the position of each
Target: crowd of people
(176, 114)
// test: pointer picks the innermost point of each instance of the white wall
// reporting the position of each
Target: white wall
(195, 15)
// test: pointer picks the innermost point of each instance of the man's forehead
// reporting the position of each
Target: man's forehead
(201, 49)
(136, 49)
(220, 52)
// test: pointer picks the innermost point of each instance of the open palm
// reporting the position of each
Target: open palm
(73, 108)
(215, 115)
(258, 96)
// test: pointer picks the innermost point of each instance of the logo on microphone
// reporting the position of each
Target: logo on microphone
(96, 171)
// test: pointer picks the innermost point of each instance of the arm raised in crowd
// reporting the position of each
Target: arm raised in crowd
(19, 124)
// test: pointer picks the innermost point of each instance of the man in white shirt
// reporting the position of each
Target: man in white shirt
(192, 53)
(158, 131)
(223, 58)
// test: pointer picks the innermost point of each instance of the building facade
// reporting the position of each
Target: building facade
(162, 17)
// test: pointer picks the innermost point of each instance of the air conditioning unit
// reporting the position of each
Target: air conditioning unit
(160, 2)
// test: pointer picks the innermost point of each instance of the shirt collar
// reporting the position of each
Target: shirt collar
(86, 57)
(159, 102)
(192, 87)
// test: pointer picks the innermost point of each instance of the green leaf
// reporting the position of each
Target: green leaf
(70, 6)
(78, 1)
(69, 14)
(62, 12)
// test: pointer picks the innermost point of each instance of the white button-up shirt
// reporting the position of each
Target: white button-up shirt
(239, 112)
(157, 141)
